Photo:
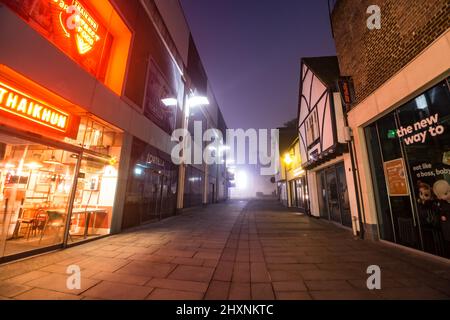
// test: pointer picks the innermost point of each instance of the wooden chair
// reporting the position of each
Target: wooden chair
(38, 224)
(54, 221)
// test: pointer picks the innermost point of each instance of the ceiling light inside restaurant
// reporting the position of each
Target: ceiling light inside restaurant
(53, 160)
(9, 166)
(33, 165)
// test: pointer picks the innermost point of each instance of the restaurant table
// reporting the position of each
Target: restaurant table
(88, 212)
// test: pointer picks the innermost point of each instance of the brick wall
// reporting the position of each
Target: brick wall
(371, 57)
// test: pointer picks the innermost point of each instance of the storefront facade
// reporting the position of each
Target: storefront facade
(399, 119)
(152, 186)
(323, 146)
(58, 170)
(85, 138)
(90, 93)
(297, 190)
(333, 197)
(408, 151)
(60, 158)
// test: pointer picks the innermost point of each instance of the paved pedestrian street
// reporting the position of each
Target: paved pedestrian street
(237, 250)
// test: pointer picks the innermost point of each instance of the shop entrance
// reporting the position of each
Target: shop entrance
(152, 186)
(299, 194)
(333, 195)
(36, 183)
(53, 193)
(155, 197)
(409, 152)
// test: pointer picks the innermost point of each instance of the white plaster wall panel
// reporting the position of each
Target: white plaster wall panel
(317, 92)
(327, 132)
(302, 142)
(321, 108)
(303, 111)
(305, 102)
(304, 69)
(175, 21)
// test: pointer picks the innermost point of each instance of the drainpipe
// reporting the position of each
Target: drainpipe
(350, 143)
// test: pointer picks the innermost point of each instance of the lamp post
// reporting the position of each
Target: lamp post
(190, 101)
(287, 162)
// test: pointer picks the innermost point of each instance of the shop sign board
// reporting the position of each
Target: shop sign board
(396, 178)
(19, 105)
(73, 27)
(421, 130)
(346, 89)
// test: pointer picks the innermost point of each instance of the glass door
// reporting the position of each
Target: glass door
(91, 212)
(151, 196)
(299, 194)
(323, 199)
(343, 196)
(333, 195)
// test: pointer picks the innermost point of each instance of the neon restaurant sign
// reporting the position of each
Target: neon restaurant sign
(20, 105)
(71, 25)
(77, 22)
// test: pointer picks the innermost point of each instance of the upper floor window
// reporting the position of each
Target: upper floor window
(312, 128)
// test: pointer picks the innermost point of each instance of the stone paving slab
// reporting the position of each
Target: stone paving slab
(255, 250)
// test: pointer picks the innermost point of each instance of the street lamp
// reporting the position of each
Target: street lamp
(197, 101)
(287, 159)
(169, 102)
(287, 162)
(191, 101)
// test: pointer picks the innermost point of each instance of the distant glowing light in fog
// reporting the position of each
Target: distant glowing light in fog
(241, 180)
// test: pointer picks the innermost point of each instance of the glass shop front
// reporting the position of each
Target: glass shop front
(333, 195)
(53, 192)
(299, 194)
(152, 186)
(409, 152)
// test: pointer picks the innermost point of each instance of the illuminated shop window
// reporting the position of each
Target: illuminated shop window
(90, 32)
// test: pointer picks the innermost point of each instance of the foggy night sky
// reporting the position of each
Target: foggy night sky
(251, 51)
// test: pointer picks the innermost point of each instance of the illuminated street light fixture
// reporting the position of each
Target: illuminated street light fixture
(170, 102)
(197, 101)
(287, 159)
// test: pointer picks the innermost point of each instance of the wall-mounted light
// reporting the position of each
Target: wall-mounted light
(170, 102)
(288, 159)
(197, 101)
(138, 171)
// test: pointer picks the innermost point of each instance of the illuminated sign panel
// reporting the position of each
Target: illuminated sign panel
(18, 104)
(73, 27)
(77, 22)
